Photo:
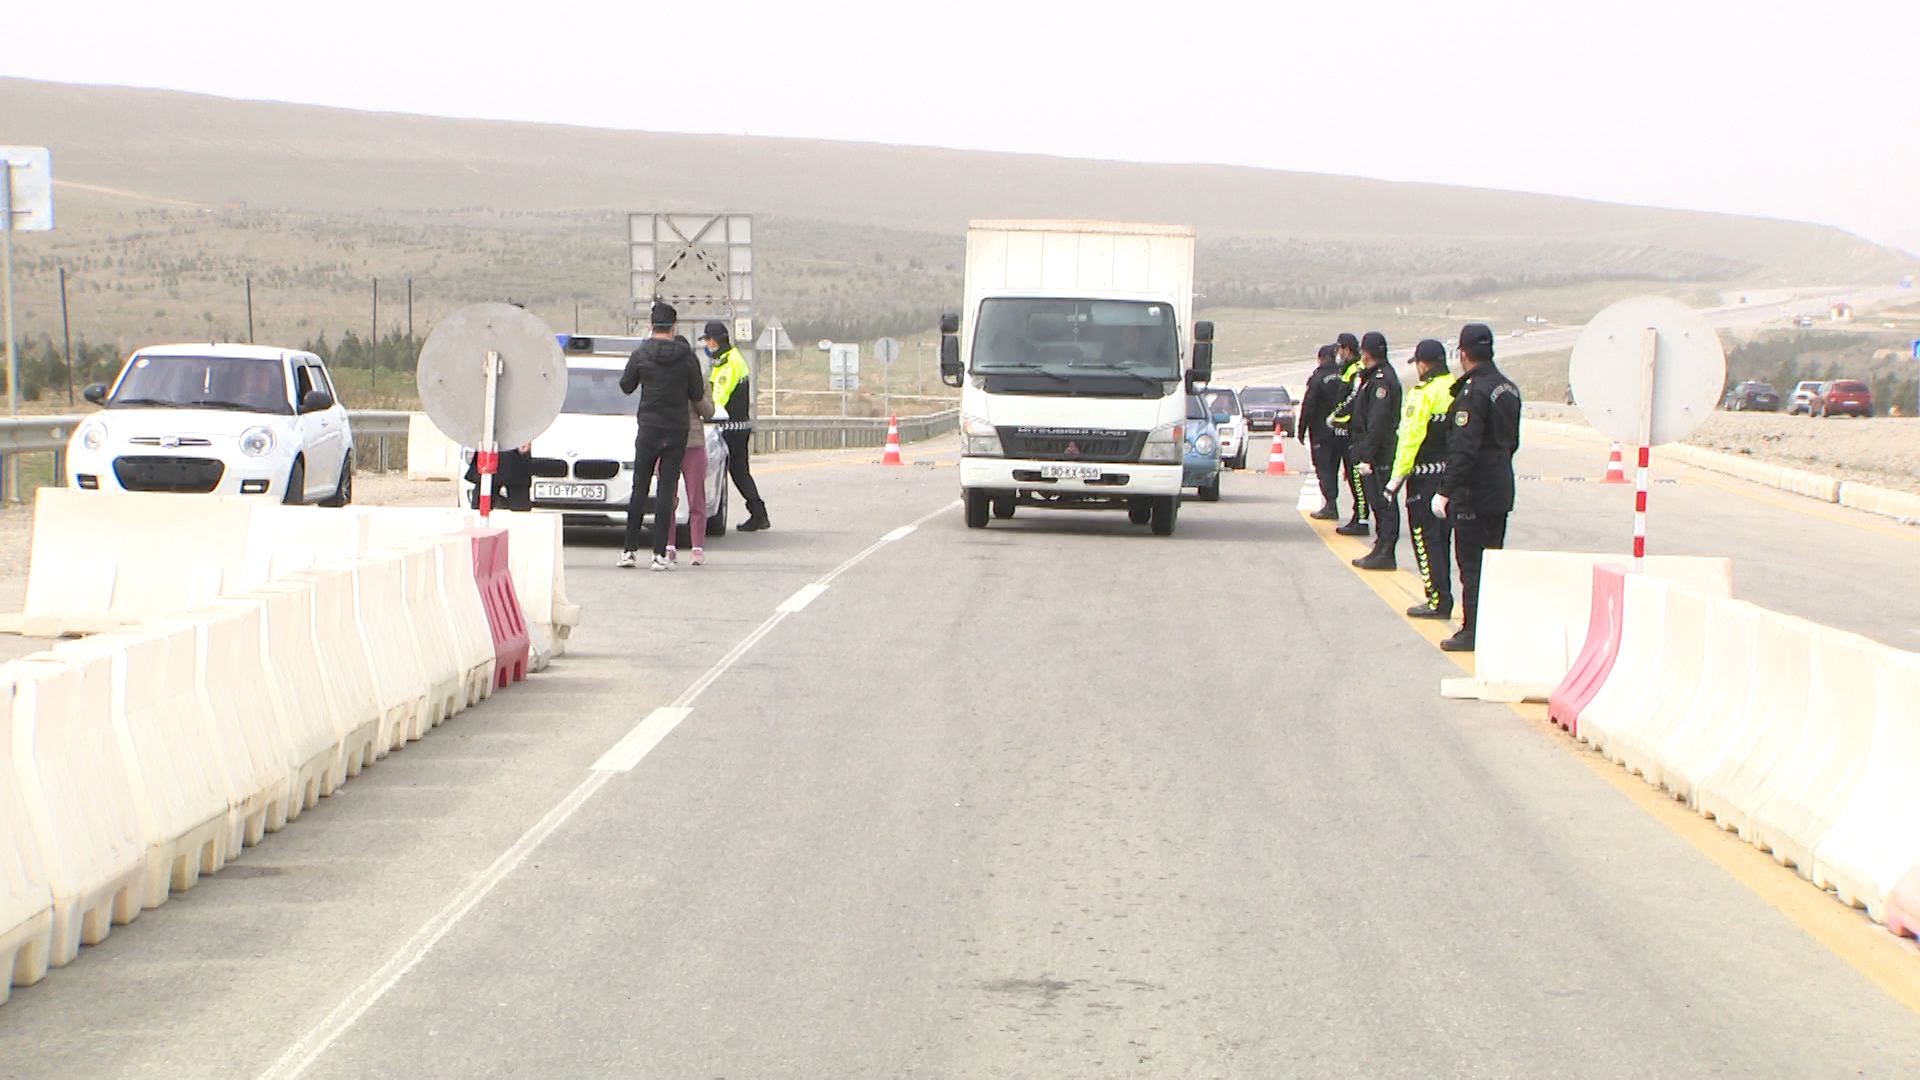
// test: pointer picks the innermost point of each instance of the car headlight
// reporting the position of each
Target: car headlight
(1204, 445)
(256, 441)
(93, 434)
(979, 438)
(1164, 444)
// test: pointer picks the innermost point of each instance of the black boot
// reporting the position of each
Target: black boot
(1428, 611)
(756, 517)
(1325, 514)
(1355, 528)
(1377, 560)
(1460, 642)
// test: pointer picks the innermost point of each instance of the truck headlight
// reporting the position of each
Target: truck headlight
(1164, 445)
(979, 438)
(93, 434)
(256, 442)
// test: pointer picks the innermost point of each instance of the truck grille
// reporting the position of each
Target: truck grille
(155, 472)
(1071, 444)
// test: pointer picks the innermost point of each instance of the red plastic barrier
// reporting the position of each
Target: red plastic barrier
(1903, 905)
(1595, 662)
(511, 647)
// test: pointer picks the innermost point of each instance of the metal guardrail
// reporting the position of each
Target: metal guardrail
(375, 429)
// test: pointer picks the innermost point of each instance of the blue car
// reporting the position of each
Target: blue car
(1202, 463)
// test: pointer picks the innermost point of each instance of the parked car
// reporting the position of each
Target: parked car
(224, 419)
(1268, 408)
(583, 463)
(1805, 393)
(1229, 423)
(1845, 397)
(1752, 396)
(1202, 460)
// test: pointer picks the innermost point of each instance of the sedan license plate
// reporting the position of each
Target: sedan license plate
(1070, 472)
(569, 492)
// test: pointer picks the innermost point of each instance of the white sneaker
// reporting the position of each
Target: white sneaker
(626, 561)
(660, 563)
(673, 556)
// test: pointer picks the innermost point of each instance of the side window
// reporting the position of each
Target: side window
(303, 381)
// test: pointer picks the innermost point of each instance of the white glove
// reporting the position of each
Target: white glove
(1392, 490)
(1366, 468)
(1440, 506)
(719, 416)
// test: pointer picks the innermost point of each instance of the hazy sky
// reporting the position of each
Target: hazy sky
(1799, 110)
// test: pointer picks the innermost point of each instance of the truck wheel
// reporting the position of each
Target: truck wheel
(978, 504)
(1166, 509)
(1003, 506)
(1140, 511)
(1211, 492)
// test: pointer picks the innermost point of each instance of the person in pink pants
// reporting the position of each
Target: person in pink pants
(693, 470)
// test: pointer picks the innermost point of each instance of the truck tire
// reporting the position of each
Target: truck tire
(978, 504)
(1140, 511)
(1003, 506)
(1166, 510)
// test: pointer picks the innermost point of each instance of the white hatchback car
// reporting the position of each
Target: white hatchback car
(225, 419)
(1231, 422)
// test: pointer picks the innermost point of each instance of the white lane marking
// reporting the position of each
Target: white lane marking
(301, 1055)
(798, 601)
(900, 533)
(639, 742)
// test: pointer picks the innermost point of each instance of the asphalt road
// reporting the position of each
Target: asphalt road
(1055, 799)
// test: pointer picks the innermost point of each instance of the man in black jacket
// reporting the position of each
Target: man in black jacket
(1376, 435)
(1324, 391)
(1476, 492)
(667, 375)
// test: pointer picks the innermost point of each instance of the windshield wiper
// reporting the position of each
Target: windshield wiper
(237, 405)
(1032, 369)
(1159, 383)
(144, 401)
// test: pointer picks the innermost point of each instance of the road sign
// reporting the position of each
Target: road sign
(29, 194)
(773, 337)
(843, 366)
(532, 376)
(702, 264)
(887, 350)
(1609, 371)
(743, 329)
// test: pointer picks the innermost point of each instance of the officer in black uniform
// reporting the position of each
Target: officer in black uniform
(1376, 432)
(1324, 389)
(1476, 491)
(1340, 424)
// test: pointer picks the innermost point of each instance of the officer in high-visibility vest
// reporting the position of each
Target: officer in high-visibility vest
(1418, 464)
(1340, 426)
(731, 392)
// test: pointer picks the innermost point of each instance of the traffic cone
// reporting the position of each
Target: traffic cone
(892, 456)
(1277, 457)
(1616, 470)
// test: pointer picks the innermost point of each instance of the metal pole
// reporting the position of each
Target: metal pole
(773, 393)
(373, 342)
(488, 452)
(249, 309)
(1649, 353)
(409, 309)
(66, 333)
(10, 468)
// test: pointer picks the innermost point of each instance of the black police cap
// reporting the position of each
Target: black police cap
(1374, 342)
(1476, 335)
(1430, 352)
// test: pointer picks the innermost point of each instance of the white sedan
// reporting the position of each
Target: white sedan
(225, 419)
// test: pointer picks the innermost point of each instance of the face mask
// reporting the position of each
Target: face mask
(708, 351)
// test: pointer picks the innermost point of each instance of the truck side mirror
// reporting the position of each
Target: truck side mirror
(951, 373)
(1201, 371)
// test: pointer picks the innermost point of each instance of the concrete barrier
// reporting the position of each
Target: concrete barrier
(1874, 842)
(1631, 683)
(162, 732)
(1534, 616)
(297, 688)
(1903, 905)
(467, 611)
(399, 676)
(536, 557)
(341, 651)
(1804, 793)
(26, 901)
(430, 625)
(1878, 500)
(284, 540)
(1709, 727)
(1599, 653)
(254, 753)
(430, 454)
(1767, 727)
(1638, 735)
(77, 798)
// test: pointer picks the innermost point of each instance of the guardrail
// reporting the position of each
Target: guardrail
(375, 429)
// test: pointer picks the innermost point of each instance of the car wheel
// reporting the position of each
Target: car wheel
(296, 483)
(1211, 492)
(717, 521)
(979, 506)
(1166, 511)
(343, 491)
(1003, 506)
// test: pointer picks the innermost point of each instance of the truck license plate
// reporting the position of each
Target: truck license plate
(561, 490)
(1070, 472)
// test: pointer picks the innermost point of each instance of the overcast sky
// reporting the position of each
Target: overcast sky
(1797, 110)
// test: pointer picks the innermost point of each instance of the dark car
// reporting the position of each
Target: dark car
(1268, 408)
(1844, 397)
(1752, 396)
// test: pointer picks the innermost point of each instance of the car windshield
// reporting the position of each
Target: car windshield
(1197, 409)
(1223, 401)
(595, 392)
(1265, 395)
(240, 383)
(1077, 338)
(1850, 387)
(1760, 388)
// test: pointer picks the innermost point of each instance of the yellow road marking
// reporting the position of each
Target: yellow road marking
(1890, 962)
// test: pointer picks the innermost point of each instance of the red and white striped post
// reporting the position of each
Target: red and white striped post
(487, 454)
(1649, 353)
(1641, 483)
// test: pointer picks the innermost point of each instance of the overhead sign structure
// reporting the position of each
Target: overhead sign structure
(491, 375)
(701, 263)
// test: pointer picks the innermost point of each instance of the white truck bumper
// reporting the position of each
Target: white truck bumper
(1116, 480)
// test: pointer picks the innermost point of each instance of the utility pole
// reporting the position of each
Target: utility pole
(409, 310)
(249, 309)
(66, 333)
(373, 342)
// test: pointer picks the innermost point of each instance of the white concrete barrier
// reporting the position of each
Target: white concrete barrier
(1710, 726)
(1636, 736)
(1534, 609)
(460, 593)
(243, 731)
(1767, 727)
(1632, 682)
(1904, 505)
(536, 557)
(430, 454)
(341, 651)
(1804, 793)
(162, 732)
(1874, 841)
(26, 901)
(77, 798)
(284, 540)
(399, 676)
(430, 625)
(297, 688)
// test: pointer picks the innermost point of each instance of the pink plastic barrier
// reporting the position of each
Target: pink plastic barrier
(511, 646)
(1595, 662)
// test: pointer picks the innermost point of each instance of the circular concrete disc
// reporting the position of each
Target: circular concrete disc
(453, 374)
(1689, 373)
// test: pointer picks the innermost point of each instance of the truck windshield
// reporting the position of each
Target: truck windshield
(240, 383)
(595, 392)
(1076, 338)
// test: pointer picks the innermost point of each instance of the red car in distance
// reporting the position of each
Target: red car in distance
(1845, 397)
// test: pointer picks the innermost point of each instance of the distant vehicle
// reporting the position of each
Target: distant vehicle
(1752, 396)
(1805, 393)
(1846, 397)
(1269, 408)
(1229, 423)
(1804, 322)
(224, 419)
(1201, 466)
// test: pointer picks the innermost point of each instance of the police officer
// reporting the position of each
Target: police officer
(1477, 488)
(730, 392)
(1417, 465)
(1324, 391)
(1340, 424)
(1376, 436)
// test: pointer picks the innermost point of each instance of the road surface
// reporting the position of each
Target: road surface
(1055, 799)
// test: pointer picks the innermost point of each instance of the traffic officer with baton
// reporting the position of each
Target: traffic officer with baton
(1376, 436)
(1418, 463)
(1476, 490)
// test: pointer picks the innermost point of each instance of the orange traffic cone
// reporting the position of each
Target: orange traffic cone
(1616, 470)
(1277, 457)
(892, 456)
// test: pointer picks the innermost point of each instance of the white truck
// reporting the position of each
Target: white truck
(1072, 355)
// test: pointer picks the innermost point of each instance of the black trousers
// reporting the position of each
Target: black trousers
(1386, 518)
(1432, 542)
(1326, 469)
(1349, 468)
(739, 445)
(1473, 535)
(662, 449)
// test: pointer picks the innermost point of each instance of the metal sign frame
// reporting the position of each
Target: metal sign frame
(701, 263)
